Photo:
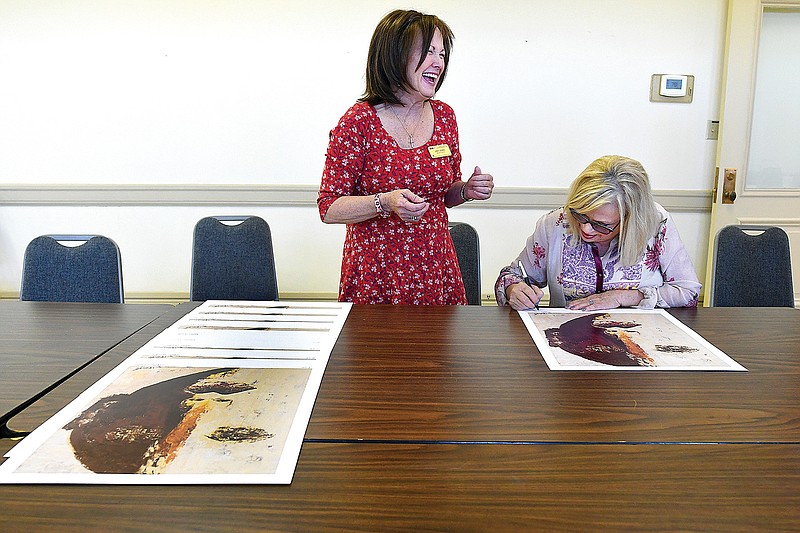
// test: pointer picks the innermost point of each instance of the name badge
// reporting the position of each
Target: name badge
(440, 150)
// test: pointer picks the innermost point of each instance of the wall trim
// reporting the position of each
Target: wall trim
(288, 196)
(177, 297)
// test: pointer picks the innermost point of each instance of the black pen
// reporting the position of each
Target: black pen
(527, 280)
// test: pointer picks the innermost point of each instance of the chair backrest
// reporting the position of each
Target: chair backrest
(233, 261)
(88, 272)
(752, 268)
(468, 250)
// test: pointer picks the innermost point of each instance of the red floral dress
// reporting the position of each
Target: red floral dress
(387, 260)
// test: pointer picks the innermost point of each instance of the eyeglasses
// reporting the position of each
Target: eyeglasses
(597, 226)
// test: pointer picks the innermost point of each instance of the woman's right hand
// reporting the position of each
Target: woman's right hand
(405, 204)
(521, 296)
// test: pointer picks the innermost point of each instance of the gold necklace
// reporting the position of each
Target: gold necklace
(410, 135)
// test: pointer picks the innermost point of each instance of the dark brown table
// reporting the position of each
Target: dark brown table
(44, 343)
(473, 374)
(448, 419)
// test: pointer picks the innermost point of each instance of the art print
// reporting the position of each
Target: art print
(621, 339)
(166, 421)
(223, 395)
(252, 330)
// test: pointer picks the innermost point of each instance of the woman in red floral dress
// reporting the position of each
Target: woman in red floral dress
(393, 167)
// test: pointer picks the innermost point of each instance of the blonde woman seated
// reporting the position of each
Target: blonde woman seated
(610, 246)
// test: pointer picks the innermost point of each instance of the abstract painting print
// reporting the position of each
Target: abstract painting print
(157, 420)
(621, 339)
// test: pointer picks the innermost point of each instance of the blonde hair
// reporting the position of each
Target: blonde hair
(621, 181)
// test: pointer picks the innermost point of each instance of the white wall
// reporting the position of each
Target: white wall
(169, 92)
(156, 243)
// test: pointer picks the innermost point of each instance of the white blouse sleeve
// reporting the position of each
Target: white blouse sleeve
(681, 287)
(533, 257)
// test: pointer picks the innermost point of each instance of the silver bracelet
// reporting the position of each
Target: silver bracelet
(464, 196)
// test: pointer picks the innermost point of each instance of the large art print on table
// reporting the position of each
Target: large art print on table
(184, 421)
(621, 339)
(223, 395)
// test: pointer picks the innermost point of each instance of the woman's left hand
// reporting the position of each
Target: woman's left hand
(607, 300)
(479, 185)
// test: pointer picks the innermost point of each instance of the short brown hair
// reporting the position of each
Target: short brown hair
(390, 52)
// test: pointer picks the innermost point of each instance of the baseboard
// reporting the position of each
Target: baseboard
(487, 299)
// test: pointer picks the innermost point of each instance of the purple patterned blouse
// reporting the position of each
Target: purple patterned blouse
(551, 257)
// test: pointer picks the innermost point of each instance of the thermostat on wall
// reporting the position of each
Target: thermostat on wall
(672, 85)
(671, 88)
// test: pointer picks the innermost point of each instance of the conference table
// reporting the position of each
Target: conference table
(43, 343)
(448, 419)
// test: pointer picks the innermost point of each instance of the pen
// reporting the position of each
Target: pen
(527, 280)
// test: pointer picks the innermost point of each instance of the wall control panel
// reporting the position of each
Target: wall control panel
(671, 88)
(672, 85)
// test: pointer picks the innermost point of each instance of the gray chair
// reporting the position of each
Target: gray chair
(752, 268)
(88, 272)
(233, 261)
(468, 250)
